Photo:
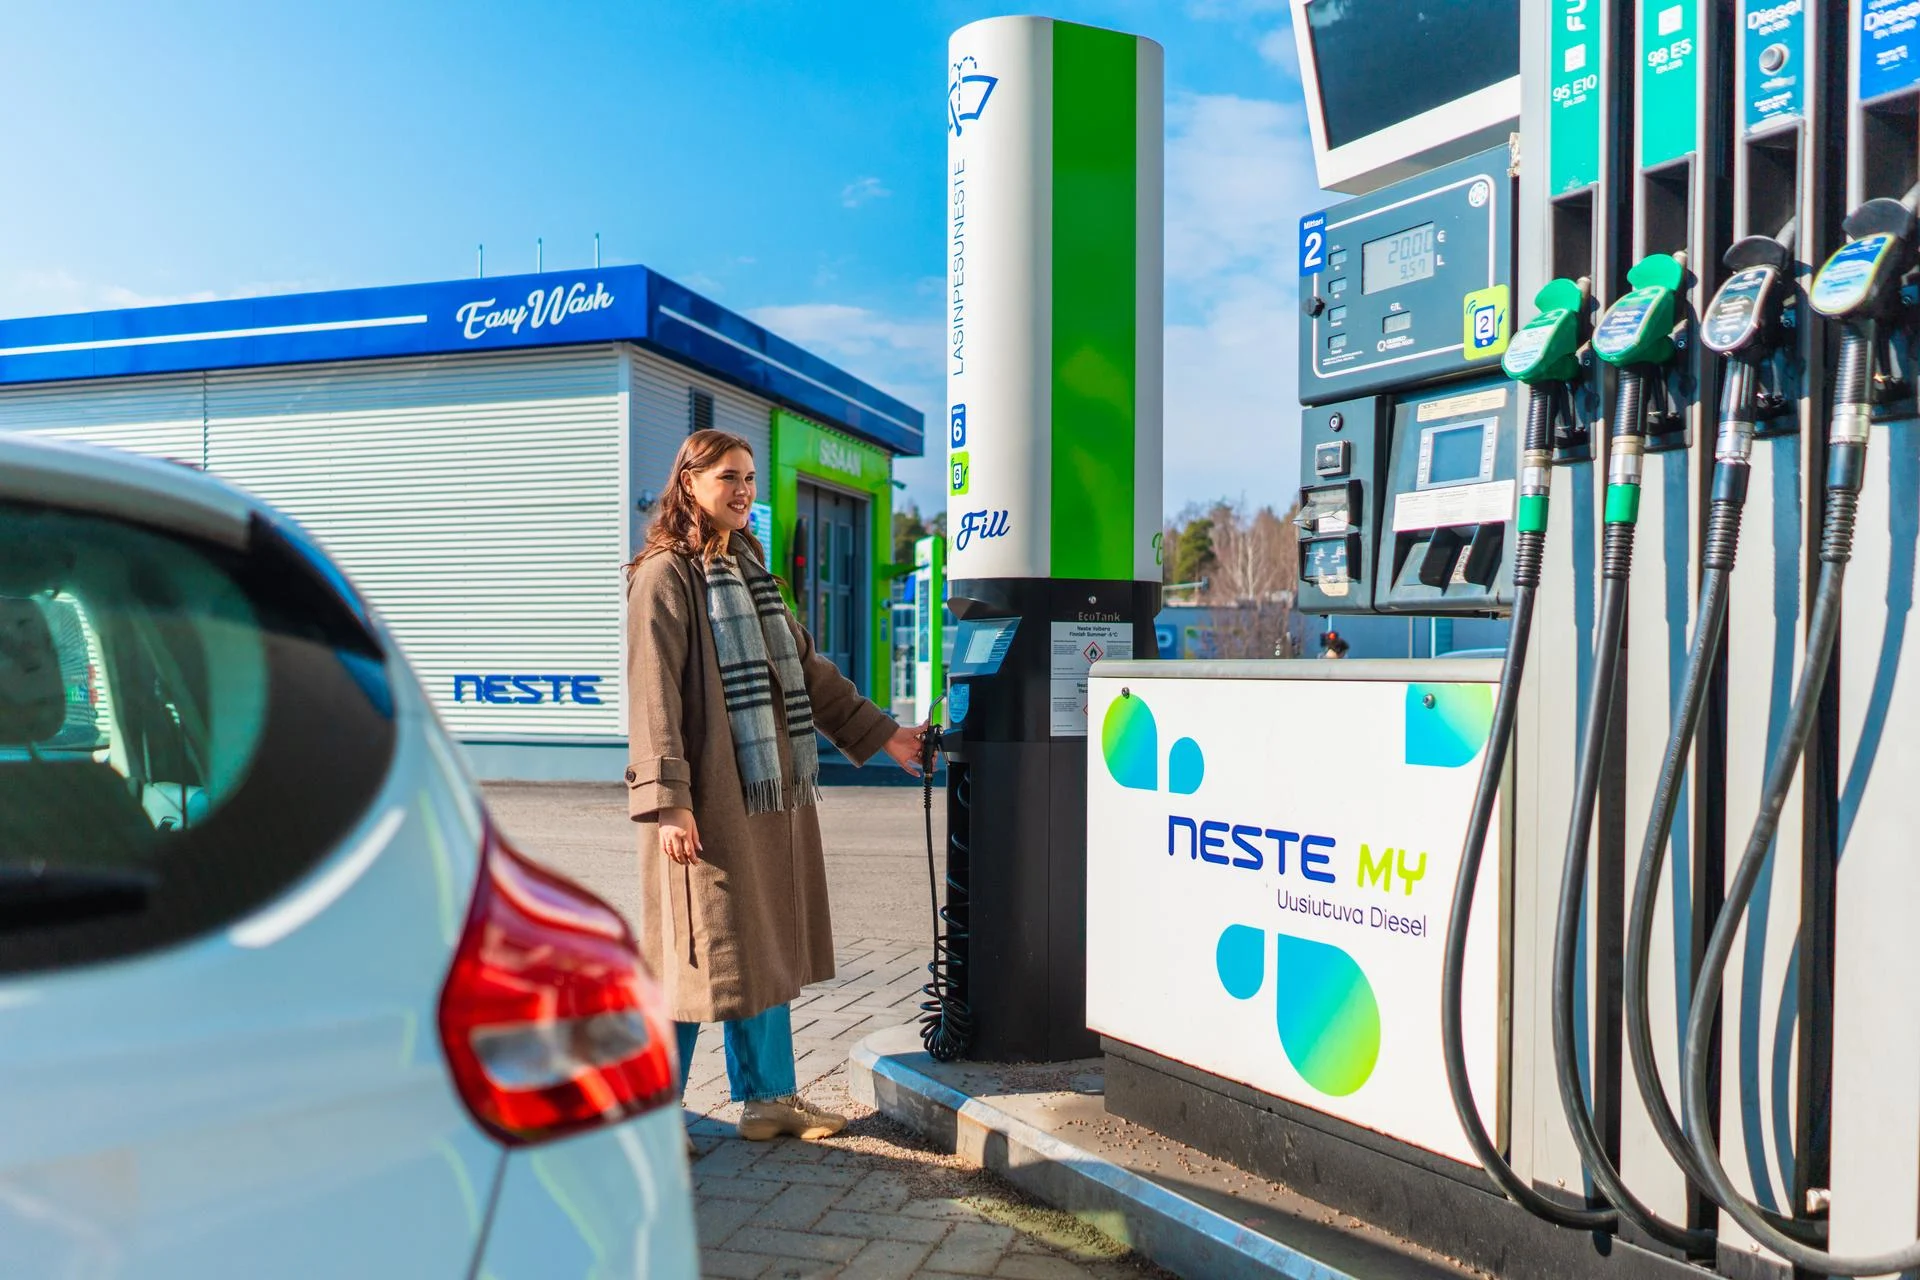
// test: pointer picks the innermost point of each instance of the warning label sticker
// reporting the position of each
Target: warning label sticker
(1456, 406)
(1459, 504)
(1076, 647)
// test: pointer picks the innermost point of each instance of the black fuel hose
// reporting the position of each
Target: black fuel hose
(946, 1020)
(1846, 464)
(1628, 430)
(1730, 476)
(1529, 550)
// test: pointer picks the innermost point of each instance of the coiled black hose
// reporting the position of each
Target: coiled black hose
(1528, 554)
(1616, 566)
(946, 1021)
(1731, 473)
(1846, 461)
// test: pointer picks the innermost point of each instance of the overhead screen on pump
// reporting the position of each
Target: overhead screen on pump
(1380, 62)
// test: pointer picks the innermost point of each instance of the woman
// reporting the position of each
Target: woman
(724, 691)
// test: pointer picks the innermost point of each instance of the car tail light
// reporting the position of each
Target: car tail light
(549, 1018)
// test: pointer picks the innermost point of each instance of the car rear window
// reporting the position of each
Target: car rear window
(185, 730)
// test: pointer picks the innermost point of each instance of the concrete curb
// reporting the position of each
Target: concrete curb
(1187, 1238)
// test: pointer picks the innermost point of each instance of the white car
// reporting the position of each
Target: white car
(275, 998)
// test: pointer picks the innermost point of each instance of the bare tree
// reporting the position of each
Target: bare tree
(1253, 588)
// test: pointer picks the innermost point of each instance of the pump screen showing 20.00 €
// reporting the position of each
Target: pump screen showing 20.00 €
(1401, 258)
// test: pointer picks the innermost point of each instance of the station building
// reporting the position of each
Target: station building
(482, 456)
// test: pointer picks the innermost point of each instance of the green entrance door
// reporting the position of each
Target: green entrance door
(830, 588)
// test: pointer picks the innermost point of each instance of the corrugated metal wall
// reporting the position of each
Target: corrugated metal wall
(477, 500)
(162, 417)
(660, 418)
(474, 499)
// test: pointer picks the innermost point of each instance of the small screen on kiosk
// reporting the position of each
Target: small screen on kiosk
(1456, 454)
(1401, 258)
(981, 645)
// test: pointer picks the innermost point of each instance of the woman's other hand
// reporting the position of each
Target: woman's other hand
(905, 747)
(679, 837)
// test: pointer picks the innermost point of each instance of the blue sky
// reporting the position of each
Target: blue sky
(784, 157)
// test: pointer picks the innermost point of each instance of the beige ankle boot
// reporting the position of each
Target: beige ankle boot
(760, 1121)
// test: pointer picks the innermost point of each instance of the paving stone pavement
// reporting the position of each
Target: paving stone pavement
(873, 1203)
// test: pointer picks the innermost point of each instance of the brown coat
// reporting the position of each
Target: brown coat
(747, 926)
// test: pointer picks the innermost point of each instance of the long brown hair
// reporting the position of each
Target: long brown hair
(679, 525)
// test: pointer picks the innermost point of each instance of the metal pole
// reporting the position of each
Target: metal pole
(539, 253)
(480, 261)
(596, 251)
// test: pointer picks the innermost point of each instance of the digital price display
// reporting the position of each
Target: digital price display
(1401, 258)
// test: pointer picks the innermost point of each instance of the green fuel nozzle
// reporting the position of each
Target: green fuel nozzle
(1638, 328)
(1547, 348)
(1636, 333)
(1545, 356)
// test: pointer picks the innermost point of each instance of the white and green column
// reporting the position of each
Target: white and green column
(1054, 150)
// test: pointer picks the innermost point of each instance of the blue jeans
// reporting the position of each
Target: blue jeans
(759, 1054)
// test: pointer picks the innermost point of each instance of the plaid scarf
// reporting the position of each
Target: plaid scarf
(754, 643)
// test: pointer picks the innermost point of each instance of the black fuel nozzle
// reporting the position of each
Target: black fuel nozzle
(1863, 286)
(1744, 319)
(1861, 282)
(1743, 324)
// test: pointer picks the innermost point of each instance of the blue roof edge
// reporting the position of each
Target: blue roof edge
(554, 308)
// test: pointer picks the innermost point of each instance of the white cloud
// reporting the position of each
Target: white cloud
(904, 358)
(54, 291)
(1239, 178)
(858, 192)
(1280, 49)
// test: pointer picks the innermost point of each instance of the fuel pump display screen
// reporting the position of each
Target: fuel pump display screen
(1398, 259)
(981, 646)
(1460, 454)
(1412, 283)
(1456, 455)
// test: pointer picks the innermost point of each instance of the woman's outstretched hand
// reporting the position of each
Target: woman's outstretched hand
(905, 745)
(679, 837)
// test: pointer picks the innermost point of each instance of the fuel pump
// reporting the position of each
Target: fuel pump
(1743, 325)
(1860, 286)
(1636, 337)
(1406, 442)
(1543, 357)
